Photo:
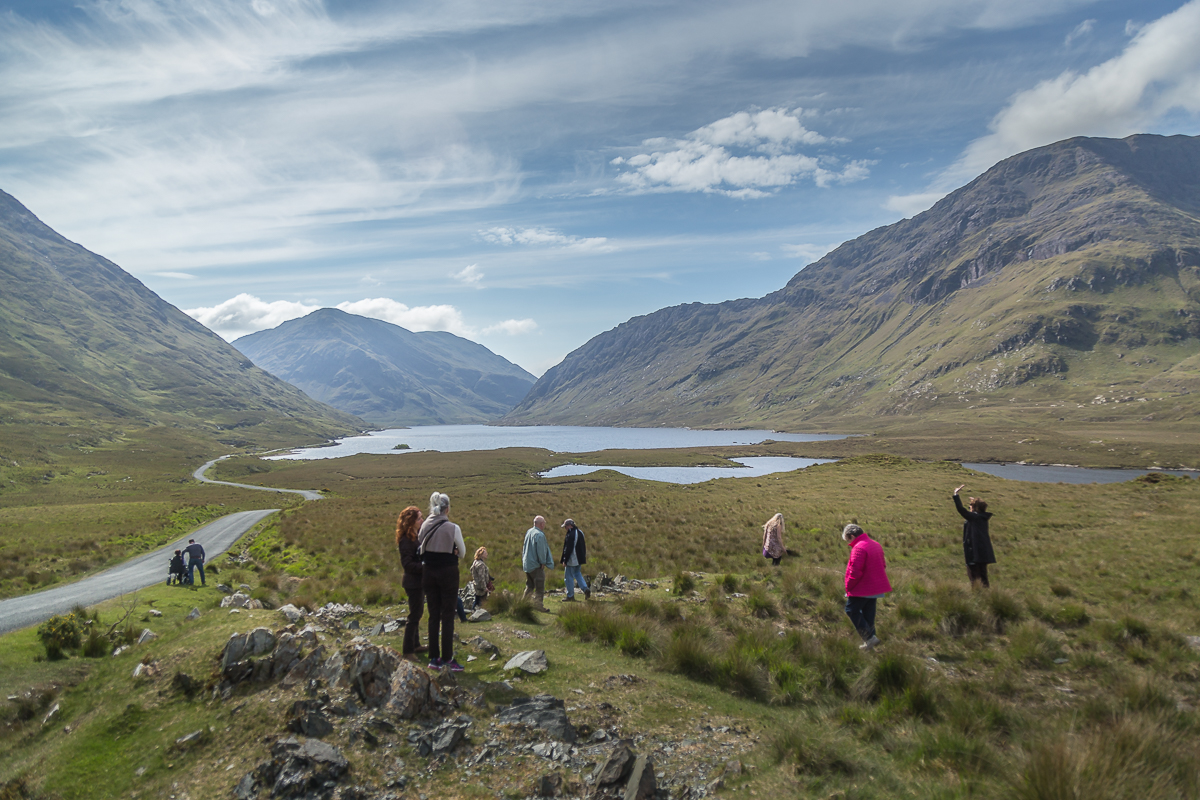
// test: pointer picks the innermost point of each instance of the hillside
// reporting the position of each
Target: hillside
(1064, 281)
(82, 341)
(388, 375)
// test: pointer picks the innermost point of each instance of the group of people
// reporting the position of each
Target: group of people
(179, 573)
(866, 570)
(430, 550)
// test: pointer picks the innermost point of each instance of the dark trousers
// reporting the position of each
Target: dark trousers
(977, 573)
(861, 611)
(416, 607)
(775, 561)
(441, 592)
(192, 567)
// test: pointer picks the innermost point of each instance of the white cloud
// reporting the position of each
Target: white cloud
(512, 327)
(183, 276)
(545, 237)
(471, 275)
(1082, 29)
(808, 252)
(744, 155)
(246, 313)
(909, 205)
(1157, 73)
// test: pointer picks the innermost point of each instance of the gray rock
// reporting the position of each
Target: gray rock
(193, 615)
(481, 615)
(307, 719)
(531, 661)
(224, 589)
(236, 600)
(193, 738)
(543, 712)
(292, 613)
(259, 641)
(550, 785)
(442, 739)
(641, 784)
(299, 769)
(305, 668)
(147, 635)
(482, 644)
(616, 768)
(412, 693)
(154, 612)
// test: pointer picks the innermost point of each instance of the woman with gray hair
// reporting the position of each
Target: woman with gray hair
(866, 582)
(440, 544)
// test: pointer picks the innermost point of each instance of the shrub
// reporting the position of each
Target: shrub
(729, 583)
(641, 606)
(633, 641)
(689, 652)
(963, 752)
(890, 674)
(955, 610)
(1003, 607)
(60, 633)
(683, 583)
(1032, 643)
(760, 604)
(812, 751)
(95, 645)
(521, 609)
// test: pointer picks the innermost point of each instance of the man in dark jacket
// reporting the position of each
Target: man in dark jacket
(977, 544)
(195, 554)
(574, 556)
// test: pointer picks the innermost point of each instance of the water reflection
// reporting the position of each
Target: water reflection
(753, 468)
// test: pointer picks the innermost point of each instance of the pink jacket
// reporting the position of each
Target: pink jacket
(866, 573)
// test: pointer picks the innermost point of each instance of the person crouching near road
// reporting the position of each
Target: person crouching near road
(535, 560)
(176, 569)
(773, 539)
(407, 524)
(440, 543)
(195, 554)
(481, 576)
(574, 556)
(866, 582)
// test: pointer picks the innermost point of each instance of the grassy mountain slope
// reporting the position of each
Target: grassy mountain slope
(388, 375)
(1065, 281)
(83, 342)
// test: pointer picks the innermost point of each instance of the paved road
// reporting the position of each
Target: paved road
(138, 573)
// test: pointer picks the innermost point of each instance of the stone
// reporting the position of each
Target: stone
(472, 658)
(147, 636)
(193, 738)
(550, 785)
(616, 768)
(253, 605)
(259, 641)
(642, 784)
(235, 600)
(305, 668)
(714, 786)
(412, 693)
(286, 655)
(543, 712)
(531, 661)
(224, 589)
(353, 625)
(154, 612)
(292, 613)
(480, 615)
(368, 671)
(234, 650)
(443, 739)
(193, 615)
(480, 643)
(306, 718)
(734, 768)
(296, 769)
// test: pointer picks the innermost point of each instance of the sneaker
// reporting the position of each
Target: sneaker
(454, 666)
(435, 664)
(870, 644)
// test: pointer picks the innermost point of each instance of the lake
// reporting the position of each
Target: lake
(555, 438)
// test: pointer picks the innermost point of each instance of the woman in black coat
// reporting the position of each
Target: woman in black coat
(977, 544)
(406, 542)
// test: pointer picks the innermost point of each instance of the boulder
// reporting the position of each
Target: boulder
(193, 738)
(641, 784)
(443, 739)
(549, 785)
(296, 769)
(235, 600)
(234, 650)
(368, 670)
(252, 604)
(307, 719)
(616, 768)
(286, 655)
(224, 588)
(545, 713)
(259, 641)
(154, 612)
(480, 643)
(305, 668)
(147, 635)
(531, 661)
(412, 693)
(480, 615)
(292, 613)
(193, 615)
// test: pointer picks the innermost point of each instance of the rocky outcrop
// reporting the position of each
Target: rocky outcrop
(307, 770)
(544, 713)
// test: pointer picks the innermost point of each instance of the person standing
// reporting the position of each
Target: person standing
(773, 539)
(535, 560)
(481, 576)
(866, 582)
(440, 544)
(574, 556)
(977, 544)
(195, 554)
(407, 524)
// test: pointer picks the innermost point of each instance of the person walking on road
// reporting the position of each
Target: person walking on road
(535, 560)
(440, 543)
(773, 539)
(977, 544)
(574, 556)
(407, 525)
(866, 582)
(195, 554)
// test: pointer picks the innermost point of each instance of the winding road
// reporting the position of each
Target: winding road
(144, 570)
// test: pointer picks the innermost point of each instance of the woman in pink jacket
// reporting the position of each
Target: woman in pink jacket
(866, 582)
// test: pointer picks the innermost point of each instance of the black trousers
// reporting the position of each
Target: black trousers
(976, 573)
(441, 592)
(416, 607)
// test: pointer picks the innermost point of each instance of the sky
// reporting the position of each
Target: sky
(529, 174)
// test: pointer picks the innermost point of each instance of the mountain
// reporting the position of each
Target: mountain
(387, 375)
(1066, 276)
(81, 340)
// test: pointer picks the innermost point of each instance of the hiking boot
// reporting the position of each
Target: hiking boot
(568, 599)
(435, 664)
(422, 648)
(870, 644)
(542, 609)
(587, 594)
(454, 666)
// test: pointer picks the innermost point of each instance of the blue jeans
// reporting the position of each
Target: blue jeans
(861, 611)
(192, 567)
(570, 576)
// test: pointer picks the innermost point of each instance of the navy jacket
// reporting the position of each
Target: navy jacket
(574, 541)
(194, 552)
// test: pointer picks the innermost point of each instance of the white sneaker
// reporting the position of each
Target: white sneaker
(870, 644)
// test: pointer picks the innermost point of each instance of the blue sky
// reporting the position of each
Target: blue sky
(529, 174)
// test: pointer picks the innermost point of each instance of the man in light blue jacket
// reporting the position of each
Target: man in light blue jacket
(535, 560)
